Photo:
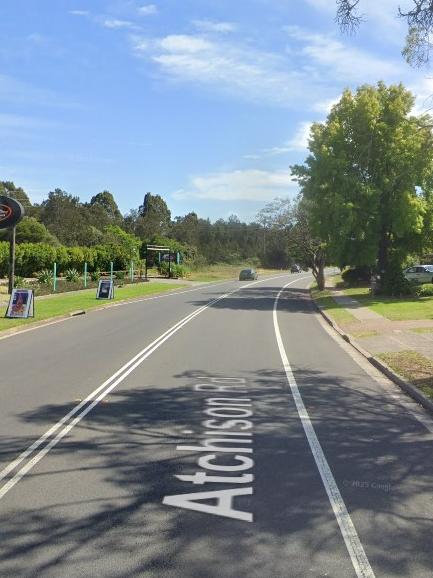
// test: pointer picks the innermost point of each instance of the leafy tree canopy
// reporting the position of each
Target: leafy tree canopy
(8, 189)
(107, 202)
(368, 179)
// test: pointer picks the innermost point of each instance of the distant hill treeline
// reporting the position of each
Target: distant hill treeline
(62, 221)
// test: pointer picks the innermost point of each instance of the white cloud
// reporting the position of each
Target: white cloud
(179, 44)
(219, 27)
(240, 185)
(225, 67)
(423, 90)
(343, 62)
(113, 23)
(148, 9)
(324, 106)
(79, 12)
(314, 68)
(299, 141)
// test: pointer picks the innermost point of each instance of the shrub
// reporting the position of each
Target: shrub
(45, 277)
(178, 271)
(4, 258)
(95, 275)
(361, 274)
(393, 281)
(425, 290)
(163, 268)
(120, 275)
(72, 275)
(19, 281)
(196, 263)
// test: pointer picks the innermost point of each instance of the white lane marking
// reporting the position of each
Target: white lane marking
(103, 391)
(89, 398)
(353, 543)
(128, 302)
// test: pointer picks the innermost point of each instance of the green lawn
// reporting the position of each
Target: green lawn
(63, 304)
(396, 309)
(339, 314)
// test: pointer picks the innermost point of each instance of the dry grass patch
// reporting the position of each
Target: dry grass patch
(361, 334)
(414, 367)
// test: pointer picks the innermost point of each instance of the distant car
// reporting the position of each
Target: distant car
(295, 269)
(419, 274)
(248, 274)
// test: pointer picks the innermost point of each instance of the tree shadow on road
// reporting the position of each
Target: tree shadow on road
(293, 300)
(102, 512)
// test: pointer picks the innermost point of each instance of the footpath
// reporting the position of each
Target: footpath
(379, 335)
(401, 349)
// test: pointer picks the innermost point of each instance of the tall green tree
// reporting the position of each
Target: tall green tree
(8, 189)
(368, 179)
(106, 201)
(154, 217)
(67, 219)
(30, 230)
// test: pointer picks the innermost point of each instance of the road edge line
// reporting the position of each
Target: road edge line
(351, 539)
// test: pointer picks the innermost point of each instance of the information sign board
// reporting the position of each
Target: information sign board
(21, 304)
(105, 289)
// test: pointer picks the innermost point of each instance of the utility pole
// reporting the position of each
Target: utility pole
(12, 236)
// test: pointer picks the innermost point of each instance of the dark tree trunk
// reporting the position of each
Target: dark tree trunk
(320, 277)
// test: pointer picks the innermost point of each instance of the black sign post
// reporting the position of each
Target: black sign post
(11, 213)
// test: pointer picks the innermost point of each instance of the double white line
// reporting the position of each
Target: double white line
(68, 422)
(60, 429)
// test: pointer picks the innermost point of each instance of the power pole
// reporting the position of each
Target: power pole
(12, 235)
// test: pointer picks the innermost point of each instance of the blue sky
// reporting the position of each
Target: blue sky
(206, 103)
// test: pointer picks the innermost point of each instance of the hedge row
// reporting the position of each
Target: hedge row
(425, 290)
(33, 257)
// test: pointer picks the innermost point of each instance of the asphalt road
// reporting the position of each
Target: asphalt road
(220, 432)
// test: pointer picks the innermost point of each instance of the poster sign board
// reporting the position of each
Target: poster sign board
(21, 304)
(11, 212)
(105, 289)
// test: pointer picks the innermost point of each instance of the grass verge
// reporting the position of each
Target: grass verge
(414, 367)
(63, 304)
(326, 302)
(393, 308)
(219, 272)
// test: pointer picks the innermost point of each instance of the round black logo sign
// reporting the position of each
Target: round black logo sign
(11, 212)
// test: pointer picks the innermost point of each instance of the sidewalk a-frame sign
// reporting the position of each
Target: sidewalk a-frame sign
(21, 304)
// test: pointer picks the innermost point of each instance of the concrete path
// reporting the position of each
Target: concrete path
(355, 307)
(377, 334)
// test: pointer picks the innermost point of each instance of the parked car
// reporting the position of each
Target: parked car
(248, 274)
(419, 274)
(295, 269)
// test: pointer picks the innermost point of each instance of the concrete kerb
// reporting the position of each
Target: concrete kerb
(405, 385)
